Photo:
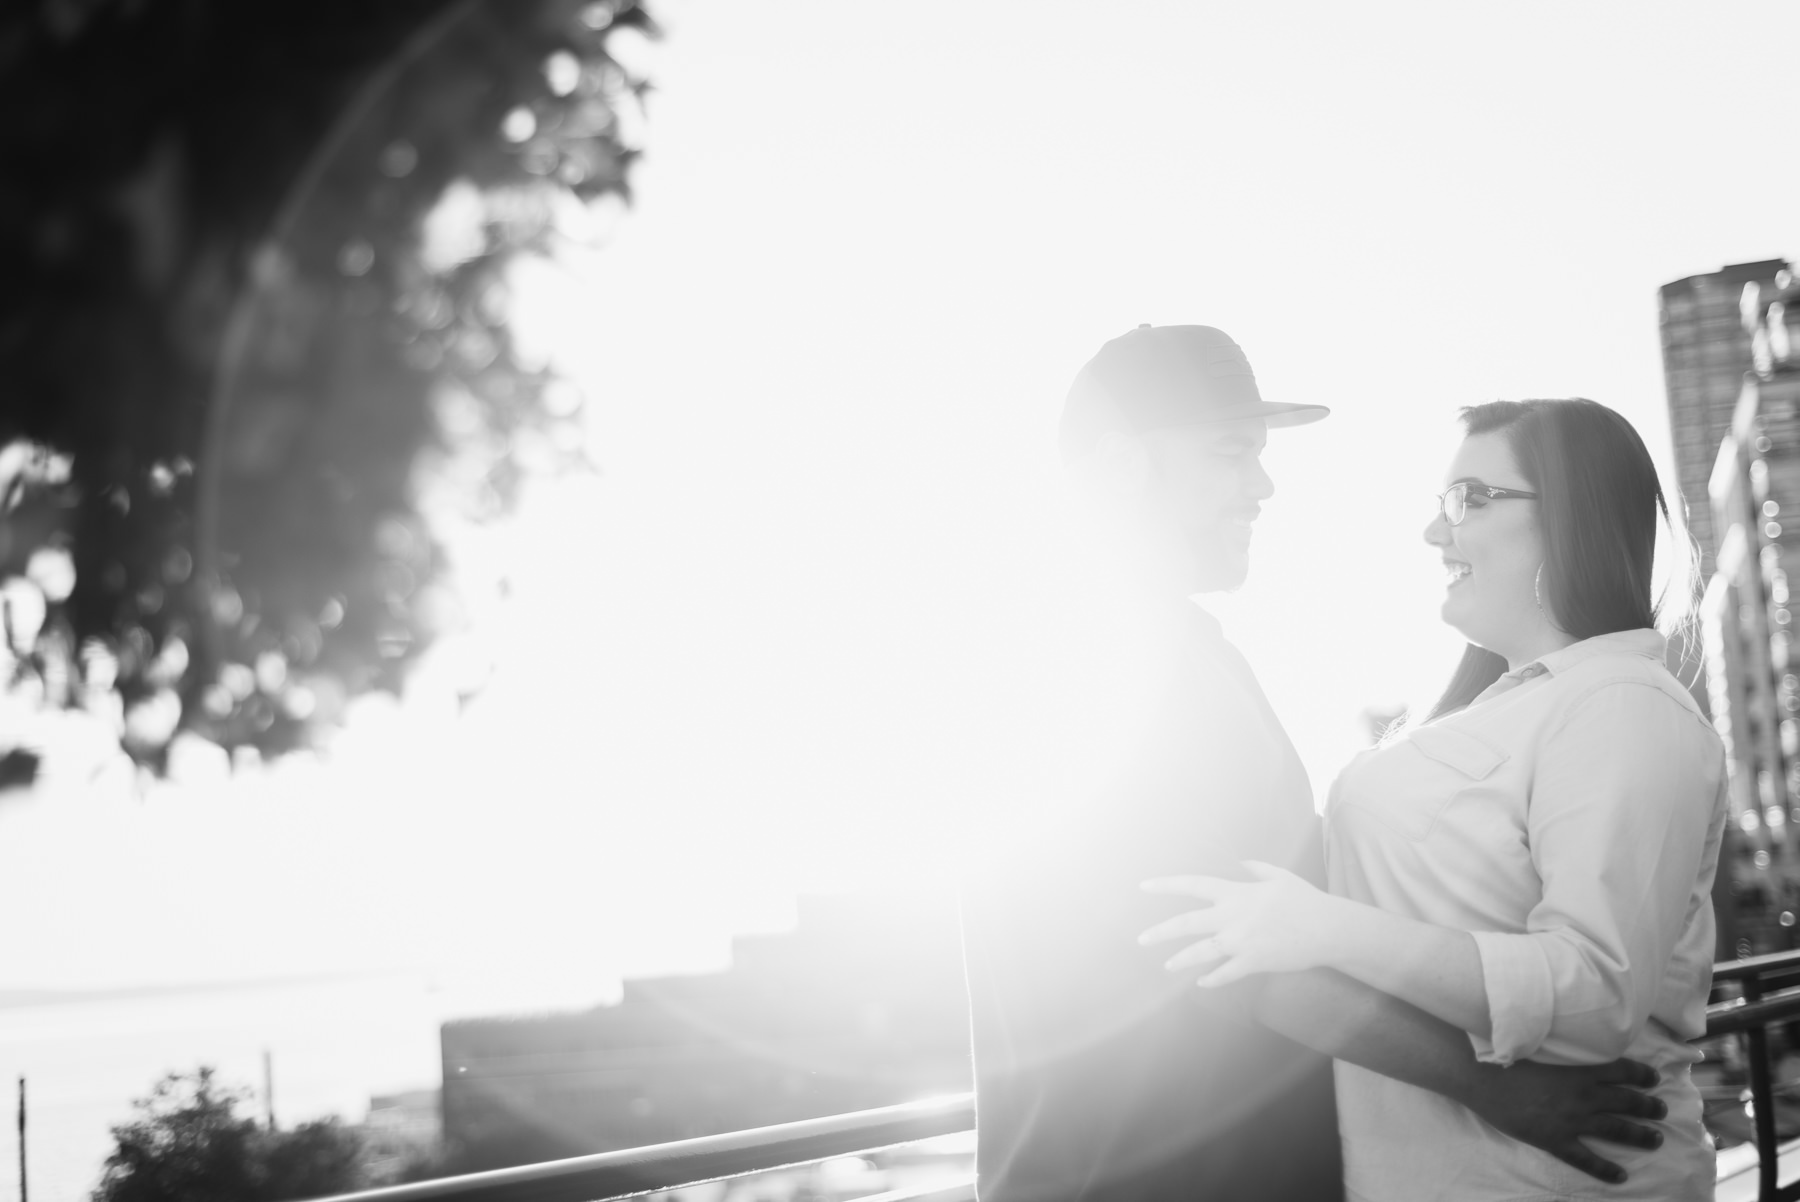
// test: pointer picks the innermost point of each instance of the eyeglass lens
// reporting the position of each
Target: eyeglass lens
(1455, 503)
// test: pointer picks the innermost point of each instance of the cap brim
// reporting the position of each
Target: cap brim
(1273, 413)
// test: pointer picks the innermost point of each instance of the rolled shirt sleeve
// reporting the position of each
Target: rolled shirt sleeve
(1521, 994)
(1622, 805)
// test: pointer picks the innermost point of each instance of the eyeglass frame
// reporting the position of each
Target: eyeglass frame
(1492, 492)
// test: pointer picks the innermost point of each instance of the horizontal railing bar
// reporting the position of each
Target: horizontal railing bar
(1731, 1018)
(1773, 964)
(607, 1175)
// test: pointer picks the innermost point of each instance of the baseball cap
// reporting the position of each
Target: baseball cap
(1162, 377)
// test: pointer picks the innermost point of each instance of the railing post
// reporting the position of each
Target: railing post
(1762, 1101)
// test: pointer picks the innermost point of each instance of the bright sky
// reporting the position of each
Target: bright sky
(825, 351)
(870, 251)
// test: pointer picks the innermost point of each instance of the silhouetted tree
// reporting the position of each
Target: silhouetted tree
(189, 1144)
(253, 301)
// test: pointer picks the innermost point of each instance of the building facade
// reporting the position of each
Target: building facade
(862, 1005)
(1748, 617)
(401, 1128)
(1706, 351)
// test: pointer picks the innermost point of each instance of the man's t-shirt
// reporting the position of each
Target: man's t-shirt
(1099, 1075)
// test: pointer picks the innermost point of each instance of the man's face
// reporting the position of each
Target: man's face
(1208, 484)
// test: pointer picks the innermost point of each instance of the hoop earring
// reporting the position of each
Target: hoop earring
(1537, 588)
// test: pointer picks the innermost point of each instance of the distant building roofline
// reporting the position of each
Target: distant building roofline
(1734, 273)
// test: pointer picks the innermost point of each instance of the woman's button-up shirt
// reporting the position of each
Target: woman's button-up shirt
(1570, 819)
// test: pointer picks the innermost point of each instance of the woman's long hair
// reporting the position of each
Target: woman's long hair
(1597, 507)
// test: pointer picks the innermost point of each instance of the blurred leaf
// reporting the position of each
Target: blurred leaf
(18, 768)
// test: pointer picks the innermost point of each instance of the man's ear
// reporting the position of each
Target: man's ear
(1119, 467)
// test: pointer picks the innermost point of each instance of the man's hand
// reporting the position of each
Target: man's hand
(1554, 1107)
(1276, 922)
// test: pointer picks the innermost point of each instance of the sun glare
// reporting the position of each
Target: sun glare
(801, 630)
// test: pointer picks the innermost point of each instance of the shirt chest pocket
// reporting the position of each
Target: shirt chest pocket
(1423, 773)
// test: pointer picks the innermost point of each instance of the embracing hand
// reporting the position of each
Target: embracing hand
(1275, 923)
(1555, 1107)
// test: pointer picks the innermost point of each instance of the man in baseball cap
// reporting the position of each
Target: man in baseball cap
(1100, 1077)
(1167, 423)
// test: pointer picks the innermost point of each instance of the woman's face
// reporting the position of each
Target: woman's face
(1492, 557)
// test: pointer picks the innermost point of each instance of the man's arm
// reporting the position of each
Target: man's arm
(1548, 1107)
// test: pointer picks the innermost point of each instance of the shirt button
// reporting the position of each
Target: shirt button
(1530, 671)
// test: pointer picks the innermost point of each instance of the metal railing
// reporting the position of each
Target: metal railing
(1771, 995)
(684, 1162)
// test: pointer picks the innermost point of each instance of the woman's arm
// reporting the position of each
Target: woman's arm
(1622, 824)
(1559, 1109)
(1627, 804)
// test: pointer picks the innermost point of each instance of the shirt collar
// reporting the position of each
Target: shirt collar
(1643, 641)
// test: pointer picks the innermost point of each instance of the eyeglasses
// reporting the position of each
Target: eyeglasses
(1454, 501)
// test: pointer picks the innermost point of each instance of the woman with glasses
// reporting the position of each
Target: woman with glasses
(1531, 861)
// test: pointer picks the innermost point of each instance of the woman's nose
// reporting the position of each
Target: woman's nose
(1437, 531)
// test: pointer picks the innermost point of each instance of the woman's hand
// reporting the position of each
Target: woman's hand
(1276, 923)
